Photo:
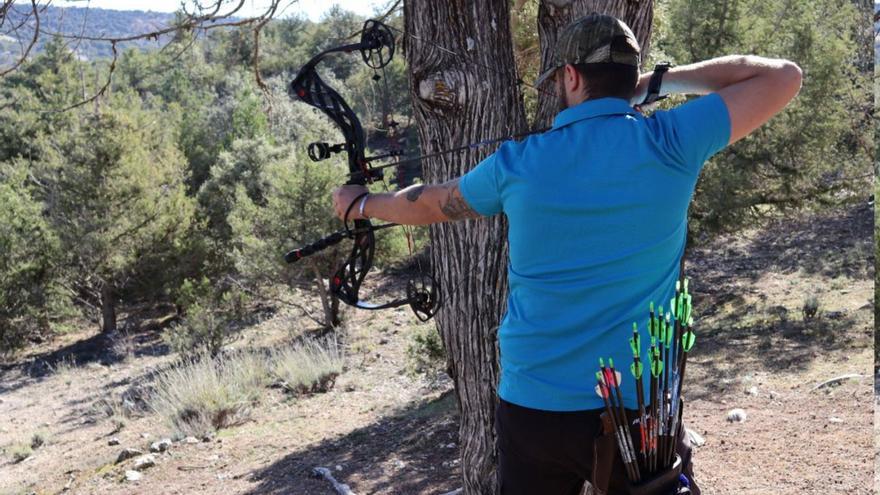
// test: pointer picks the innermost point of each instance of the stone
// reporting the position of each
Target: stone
(113, 442)
(736, 416)
(695, 438)
(190, 440)
(132, 475)
(144, 462)
(127, 454)
(161, 445)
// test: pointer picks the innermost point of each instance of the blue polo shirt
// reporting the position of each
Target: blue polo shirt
(597, 213)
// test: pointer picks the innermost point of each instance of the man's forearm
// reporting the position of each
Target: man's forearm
(713, 75)
(419, 205)
(407, 206)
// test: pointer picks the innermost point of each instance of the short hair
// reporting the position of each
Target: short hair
(610, 79)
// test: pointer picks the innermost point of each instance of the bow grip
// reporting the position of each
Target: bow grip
(319, 245)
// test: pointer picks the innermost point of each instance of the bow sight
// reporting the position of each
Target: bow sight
(376, 47)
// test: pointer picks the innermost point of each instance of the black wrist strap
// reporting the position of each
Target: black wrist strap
(654, 83)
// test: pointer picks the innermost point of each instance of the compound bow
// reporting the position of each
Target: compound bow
(376, 47)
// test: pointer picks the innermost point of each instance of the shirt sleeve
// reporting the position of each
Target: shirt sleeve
(481, 187)
(695, 131)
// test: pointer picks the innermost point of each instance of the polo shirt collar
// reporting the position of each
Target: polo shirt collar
(593, 108)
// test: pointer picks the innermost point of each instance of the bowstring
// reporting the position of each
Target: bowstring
(393, 137)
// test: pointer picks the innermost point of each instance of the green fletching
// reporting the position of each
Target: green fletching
(651, 306)
(601, 363)
(636, 369)
(687, 341)
(634, 345)
(672, 305)
(599, 376)
(610, 362)
(656, 366)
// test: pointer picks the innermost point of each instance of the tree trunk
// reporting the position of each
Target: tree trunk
(108, 309)
(329, 302)
(465, 98)
(554, 15)
(865, 36)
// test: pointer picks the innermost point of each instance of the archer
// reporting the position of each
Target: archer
(597, 214)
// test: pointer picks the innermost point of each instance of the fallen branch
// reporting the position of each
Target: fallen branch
(837, 380)
(341, 488)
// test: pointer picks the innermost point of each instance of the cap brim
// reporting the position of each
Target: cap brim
(544, 76)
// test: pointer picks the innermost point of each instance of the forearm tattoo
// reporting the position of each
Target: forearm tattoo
(413, 194)
(454, 206)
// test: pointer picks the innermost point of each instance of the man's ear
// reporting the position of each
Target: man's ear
(574, 82)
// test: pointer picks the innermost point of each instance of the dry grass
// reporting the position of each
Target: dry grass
(201, 395)
(19, 452)
(308, 367)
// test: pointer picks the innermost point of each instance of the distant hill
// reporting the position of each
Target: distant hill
(89, 21)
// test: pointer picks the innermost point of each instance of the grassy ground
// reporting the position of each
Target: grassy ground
(383, 430)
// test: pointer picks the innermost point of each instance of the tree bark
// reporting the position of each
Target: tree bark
(108, 308)
(458, 99)
(329, 302)
(864, 33)
(554, 15)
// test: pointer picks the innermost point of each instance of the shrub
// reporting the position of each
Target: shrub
(20, 452)
(211, 321)
(306, 368)
(204, 394)
(425, 351)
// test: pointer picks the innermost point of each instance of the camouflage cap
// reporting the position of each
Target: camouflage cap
(594, 39)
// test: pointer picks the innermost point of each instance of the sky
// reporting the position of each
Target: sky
(313, 9)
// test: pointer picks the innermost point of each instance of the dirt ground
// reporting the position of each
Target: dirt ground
(382, 430)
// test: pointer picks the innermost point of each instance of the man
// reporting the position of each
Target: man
(597, 213)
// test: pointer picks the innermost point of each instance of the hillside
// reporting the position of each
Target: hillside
(383, 430)
(88, 21)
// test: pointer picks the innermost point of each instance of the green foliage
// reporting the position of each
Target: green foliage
(425, 351)
(30, 293)
(176, 174)
(816, 151)
(117, 218)
(211, 319)
(810, 308)
(19, 452)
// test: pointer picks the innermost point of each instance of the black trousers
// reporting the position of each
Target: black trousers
(554, 453)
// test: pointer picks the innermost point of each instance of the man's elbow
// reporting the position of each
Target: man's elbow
(791, 76)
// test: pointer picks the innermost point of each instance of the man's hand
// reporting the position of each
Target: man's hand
(342, 199)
